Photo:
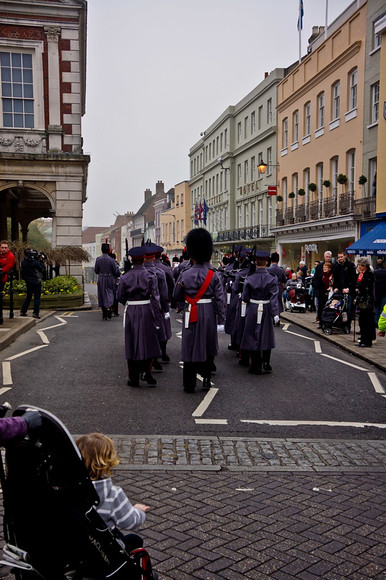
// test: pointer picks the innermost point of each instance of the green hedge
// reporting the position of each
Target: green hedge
(57, 286)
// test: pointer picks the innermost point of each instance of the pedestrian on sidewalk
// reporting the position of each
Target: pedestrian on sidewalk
(7, 263)
(317, 283)
(201, 291)
(365, 303)
(32, 271)
(345, 277)
(100, 457)
(261, 290)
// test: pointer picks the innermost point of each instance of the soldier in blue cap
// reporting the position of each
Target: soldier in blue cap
(138, 291)
(260, 294)
(200, 288)
(108, 274)
(164, 331)
(170, 285)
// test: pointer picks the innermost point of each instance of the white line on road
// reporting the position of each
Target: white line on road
(4, 390)
(43, 337)
(322, 423)
(344, 362)
(26, 352)
(179, 334)
(179, 320)
(7, 377)
(203, 406)
(211, 421)
(297, 334)
(318, 348)
(285, 326)
(376, 384)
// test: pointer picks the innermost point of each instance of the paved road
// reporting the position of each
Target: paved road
(260, 508)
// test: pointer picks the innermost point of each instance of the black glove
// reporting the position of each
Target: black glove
(33, 420)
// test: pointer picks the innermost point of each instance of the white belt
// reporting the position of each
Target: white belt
(187, 311)
(260, 304)
(133, 303)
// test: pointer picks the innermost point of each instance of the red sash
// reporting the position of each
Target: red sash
(200, 293)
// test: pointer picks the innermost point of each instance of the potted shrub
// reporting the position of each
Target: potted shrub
(326, 183)
(362, 180)
(279, 198)
(301, 191)
(291, 195)
(312, 187)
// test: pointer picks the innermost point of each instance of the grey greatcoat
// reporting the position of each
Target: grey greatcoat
(108, 274)
(199, 339)
(260, 286)
(275, 269)
(140, 320)
(239, 321)
(164, 332)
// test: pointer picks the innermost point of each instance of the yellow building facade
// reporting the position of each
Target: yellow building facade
(175, 221)
(320, 128)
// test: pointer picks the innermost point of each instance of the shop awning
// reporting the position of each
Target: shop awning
(372, 243)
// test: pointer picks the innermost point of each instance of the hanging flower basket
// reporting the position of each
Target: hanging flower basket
(279, 198)
(291, 195)
(312, 186)
(301, 191)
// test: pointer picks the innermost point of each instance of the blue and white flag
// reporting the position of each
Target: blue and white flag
(301, 14)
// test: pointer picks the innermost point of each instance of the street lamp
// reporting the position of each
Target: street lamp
(262, 167)
(220, 160)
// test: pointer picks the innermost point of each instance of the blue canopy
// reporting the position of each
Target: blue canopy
(372, 243)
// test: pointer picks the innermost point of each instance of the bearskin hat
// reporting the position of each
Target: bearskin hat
(199, 244)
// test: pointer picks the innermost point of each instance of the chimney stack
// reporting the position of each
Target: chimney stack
(148, 194)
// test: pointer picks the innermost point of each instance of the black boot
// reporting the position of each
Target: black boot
(189, 377)
(148, 377)
(164, 356)
(104, 313)
(256, 363)
(133, 369)
(157, 365)
(266, 361)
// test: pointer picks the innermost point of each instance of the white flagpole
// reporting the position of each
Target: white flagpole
(300, 31)
(325, 26)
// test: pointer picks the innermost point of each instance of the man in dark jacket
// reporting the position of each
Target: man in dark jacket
(32, 272)
(345, 277)
(379, 287)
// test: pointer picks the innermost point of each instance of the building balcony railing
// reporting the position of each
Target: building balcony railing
(329, 207)
(251, 233)
(364, 208)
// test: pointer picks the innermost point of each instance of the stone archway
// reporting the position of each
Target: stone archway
(23, 202)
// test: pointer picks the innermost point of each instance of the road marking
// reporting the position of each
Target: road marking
(211, 421)
(203, 406)
(312, 423)
(7, 377)
(26, 352)
(179, 334)
(344, 362)
(179, 320)
(43, 337)
(301, 335)
(285, 326)
(4, 390)
(318, 348)
(376, 384)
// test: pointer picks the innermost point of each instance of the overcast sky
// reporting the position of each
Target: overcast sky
(161, 71)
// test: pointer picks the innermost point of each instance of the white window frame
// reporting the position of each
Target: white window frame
(285, 133)
(253, 122)
(321, 110)
(374, 90)
(269, 111)
(35, 48)
(353, 84)
(307, 119)
(335, 101)
(295, 122)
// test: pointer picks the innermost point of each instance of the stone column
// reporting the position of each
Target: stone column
(54, 130)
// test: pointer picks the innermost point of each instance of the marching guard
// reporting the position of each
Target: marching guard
(108, 274)
(200, 288)
(138, 291)
(260, 296)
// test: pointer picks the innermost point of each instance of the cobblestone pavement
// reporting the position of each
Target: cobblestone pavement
(225, 508)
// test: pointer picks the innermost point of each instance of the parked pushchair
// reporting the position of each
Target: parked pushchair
(295, 296)
(51, 527)
(334, 314)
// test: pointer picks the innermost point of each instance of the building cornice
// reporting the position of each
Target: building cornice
(318, 78)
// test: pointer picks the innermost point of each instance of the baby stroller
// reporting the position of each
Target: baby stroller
(295, 300)
(51, 527)
(334, 314)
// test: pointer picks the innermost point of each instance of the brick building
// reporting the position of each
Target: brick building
(43, 171)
